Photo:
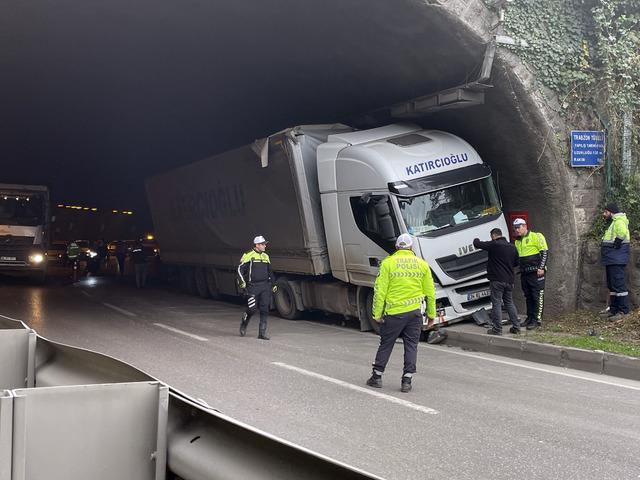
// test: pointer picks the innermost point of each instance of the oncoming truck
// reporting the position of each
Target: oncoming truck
(24, 230)
(331, 200)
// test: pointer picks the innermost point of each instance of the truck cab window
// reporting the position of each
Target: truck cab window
(450, 207)
(375, 218)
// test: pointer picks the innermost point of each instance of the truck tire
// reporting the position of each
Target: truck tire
(210, 274)
(285, 301)
(200, 277)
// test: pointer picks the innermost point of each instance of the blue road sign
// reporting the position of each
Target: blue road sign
(587, 148)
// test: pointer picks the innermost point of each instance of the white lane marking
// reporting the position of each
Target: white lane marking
(86, 294)
(531, 367)
(120, 310)
(181, 332)
(9, 318)
(383, 396)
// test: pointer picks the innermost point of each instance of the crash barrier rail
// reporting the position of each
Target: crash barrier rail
(73, 414)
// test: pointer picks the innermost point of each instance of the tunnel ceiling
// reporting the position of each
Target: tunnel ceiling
(97, 95)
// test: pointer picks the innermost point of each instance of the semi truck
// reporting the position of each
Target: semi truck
(24, 230)
(331, 200)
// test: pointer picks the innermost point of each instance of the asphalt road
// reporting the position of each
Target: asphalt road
(469, 416)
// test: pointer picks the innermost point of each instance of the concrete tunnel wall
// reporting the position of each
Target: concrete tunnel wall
(515, 132)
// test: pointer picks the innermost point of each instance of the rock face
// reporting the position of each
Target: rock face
(593, 293)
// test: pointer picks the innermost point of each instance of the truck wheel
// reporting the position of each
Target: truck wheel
(201, 282)
(285, 301)
(375, 326)
(210, 274)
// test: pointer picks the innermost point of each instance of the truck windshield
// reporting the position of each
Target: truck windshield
(449, 207)
(27, 210)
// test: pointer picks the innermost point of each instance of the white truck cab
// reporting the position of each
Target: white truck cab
(376, 184)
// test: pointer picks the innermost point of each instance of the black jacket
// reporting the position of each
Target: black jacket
(502, 258)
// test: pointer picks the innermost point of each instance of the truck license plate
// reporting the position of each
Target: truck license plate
(477, 295)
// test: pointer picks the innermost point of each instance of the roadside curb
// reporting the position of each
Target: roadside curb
(594, 361)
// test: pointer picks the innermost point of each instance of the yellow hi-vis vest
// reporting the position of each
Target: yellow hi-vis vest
(403, 282)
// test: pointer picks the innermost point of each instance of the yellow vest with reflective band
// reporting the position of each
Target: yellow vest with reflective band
(255, 256)
(403, 282)
(619, 228)
(531, 244)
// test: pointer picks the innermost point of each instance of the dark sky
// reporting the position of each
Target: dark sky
(97, 95)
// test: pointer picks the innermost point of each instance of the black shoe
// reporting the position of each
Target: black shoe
(375, 381)
(264, 336)
(533, 325)
(405, 386)
(514, 330)
(243, 325)
(526, 323)
(491, 331)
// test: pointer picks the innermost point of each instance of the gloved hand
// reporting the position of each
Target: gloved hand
(617, 243)
(242, 285)
(379, 320)
(274, 289)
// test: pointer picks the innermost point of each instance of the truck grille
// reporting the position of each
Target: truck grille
(14, 247)
(461, 267)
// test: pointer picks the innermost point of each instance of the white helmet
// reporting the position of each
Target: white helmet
(259, 239)
(404, 241)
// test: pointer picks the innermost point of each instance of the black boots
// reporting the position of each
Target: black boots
(262, 333)
(375, 381)
(405, 386)
(243, 324)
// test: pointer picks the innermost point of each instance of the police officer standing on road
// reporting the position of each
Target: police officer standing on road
(256, 276)
(614, 253)
(403, 282)
(533, 255)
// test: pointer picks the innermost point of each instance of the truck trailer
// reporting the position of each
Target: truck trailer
(331, 200)
(24, 230)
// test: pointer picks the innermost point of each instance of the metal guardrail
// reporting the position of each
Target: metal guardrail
(70, 414)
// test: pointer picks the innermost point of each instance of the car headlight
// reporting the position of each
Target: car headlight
(36, 258)
(92, 254)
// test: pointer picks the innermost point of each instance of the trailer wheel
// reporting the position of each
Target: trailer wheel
(285, 301)
(201, 282)
(210, 274)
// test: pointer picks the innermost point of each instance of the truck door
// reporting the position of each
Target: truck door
(371, 235)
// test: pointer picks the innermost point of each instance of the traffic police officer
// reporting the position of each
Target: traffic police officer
(534, 253)
(614, 253)
(403, 282)
(258, 279)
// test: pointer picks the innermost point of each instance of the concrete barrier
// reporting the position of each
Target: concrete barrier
(91, 416)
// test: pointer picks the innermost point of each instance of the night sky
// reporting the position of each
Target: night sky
(95, 96)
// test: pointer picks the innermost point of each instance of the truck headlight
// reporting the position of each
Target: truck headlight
(36, 258)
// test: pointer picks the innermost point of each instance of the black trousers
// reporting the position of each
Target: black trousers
(407, 326)
(618, 294)
(258, 299)
(533, 288)
(502, 292)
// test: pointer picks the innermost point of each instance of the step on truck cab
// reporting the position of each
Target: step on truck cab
(332, 200)
(24, 230)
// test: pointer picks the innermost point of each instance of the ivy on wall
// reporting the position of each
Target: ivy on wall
(588, 52)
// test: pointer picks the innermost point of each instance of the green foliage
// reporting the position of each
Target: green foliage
(589, 343)
(588, 52)
(628, 200)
